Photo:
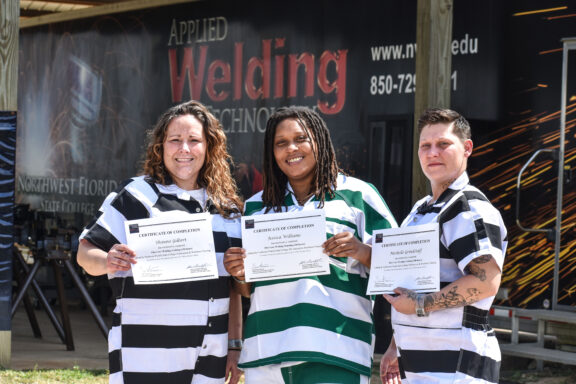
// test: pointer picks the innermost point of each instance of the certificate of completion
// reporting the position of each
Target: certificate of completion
(285, 245)
(405, 257)
(172, 249)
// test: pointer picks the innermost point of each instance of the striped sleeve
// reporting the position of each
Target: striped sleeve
(96, 231)
(116, 209)
(472, 227)
(369, 207)
(370, 213)
(253, 205)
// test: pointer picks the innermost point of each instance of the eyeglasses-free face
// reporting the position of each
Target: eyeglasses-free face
(294, 152)
(184, 151)
(443, 155)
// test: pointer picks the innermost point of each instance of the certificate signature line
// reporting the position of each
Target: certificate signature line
(373, 292)
(180, 279)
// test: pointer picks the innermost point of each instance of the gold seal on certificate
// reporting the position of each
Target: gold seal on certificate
(405, 257)
(172, 248)
(285, 245)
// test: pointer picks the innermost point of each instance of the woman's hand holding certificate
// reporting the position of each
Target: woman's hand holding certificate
(172, 249)
(405, 257)
(285, 245)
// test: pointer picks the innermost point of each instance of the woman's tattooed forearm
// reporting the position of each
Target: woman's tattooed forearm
(460, 296)
(451, 299)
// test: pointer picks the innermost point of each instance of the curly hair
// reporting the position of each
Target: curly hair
(327, 169)
(215, 174)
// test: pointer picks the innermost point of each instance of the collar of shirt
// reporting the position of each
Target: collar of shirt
(423, 207)
(310, 203)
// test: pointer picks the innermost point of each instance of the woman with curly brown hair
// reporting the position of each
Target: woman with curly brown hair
(179, 332)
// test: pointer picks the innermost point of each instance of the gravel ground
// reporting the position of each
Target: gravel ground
(547, 376)
(523, 371)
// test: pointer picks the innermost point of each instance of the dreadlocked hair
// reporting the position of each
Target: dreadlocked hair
(214, 175)
(326, 171)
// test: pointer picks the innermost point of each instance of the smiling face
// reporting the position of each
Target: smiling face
(184, 151)
(294, 153)
(443, 155)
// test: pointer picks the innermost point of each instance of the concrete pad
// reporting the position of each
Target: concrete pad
(48, 352)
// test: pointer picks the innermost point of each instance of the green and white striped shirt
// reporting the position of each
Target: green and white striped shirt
(326, 318)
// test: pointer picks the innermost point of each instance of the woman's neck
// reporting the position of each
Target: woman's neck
(439, 188)
(302, 191)
(436, 193)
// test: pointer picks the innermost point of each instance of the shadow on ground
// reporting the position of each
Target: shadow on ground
(516, 370)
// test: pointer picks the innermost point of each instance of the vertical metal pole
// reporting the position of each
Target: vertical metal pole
(540, 342)
(515, 328)
(560, 190)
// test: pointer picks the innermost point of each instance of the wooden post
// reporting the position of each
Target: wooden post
(9, 19)
(433, 71)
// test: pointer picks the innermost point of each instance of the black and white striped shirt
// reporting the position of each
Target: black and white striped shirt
(164, 333)
(455, 344)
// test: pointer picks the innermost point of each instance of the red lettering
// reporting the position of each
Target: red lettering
(212, 81)
(307, 61)
(220, 78)
(238, 55)
(263, 65)
(195, 81)
(279, 68)
(338, 86)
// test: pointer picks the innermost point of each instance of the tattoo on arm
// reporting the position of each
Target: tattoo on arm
(451, 299)
(472, 295)
(411, 294)
(473, 268)
(482, 259)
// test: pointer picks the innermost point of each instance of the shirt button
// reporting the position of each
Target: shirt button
(212, 299)
(209, 324)
(198, 209)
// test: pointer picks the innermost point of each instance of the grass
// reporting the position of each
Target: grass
(57, 376)
(54, 376)
(561, 375)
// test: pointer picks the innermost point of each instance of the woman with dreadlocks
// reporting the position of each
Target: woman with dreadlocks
(315, 329)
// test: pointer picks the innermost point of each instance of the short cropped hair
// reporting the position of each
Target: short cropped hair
(461, 126)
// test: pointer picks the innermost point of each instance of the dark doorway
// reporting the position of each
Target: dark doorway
(390, 162)
(390, 170)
